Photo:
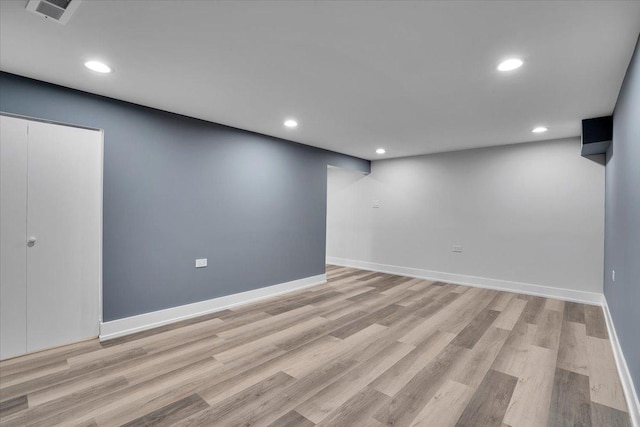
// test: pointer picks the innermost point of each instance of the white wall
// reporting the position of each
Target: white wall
(529, 213)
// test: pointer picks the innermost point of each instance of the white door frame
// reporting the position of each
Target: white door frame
(35, 119)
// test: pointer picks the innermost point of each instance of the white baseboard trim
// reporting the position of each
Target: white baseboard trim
(479, 282)
(633, 403)
(141, 322)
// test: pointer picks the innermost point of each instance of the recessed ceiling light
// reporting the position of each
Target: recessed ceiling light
(510, 64)
(539, 129)
(290, 123)
(381, 151)
(98, 67)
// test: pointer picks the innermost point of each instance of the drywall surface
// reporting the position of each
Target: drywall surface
(530, 213)
(177, 189)
(622, 219)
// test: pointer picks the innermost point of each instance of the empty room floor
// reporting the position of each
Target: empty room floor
(367, 349)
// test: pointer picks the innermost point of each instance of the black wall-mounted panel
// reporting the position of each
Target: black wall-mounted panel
(597, 134)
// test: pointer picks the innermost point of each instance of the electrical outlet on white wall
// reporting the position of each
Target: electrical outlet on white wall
(457, 248)
(201, 263)
(376, 203)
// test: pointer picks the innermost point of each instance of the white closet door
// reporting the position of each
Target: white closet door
(64, 221)
(13, 231)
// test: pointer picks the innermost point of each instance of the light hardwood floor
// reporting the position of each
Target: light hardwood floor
(367, 349)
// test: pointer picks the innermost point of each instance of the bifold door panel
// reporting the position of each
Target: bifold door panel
(13, 229)
(56, 193)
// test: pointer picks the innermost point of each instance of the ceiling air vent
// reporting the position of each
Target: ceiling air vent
(56, 10)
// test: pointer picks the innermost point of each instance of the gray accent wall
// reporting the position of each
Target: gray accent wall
(178, 188)
(622, 219)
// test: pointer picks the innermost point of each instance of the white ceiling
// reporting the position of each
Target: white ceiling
(413, 77)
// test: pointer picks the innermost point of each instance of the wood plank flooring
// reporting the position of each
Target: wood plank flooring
(366, 349)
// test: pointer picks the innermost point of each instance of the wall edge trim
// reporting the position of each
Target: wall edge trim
(584, 297)
(633, 403)
(141, 322)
